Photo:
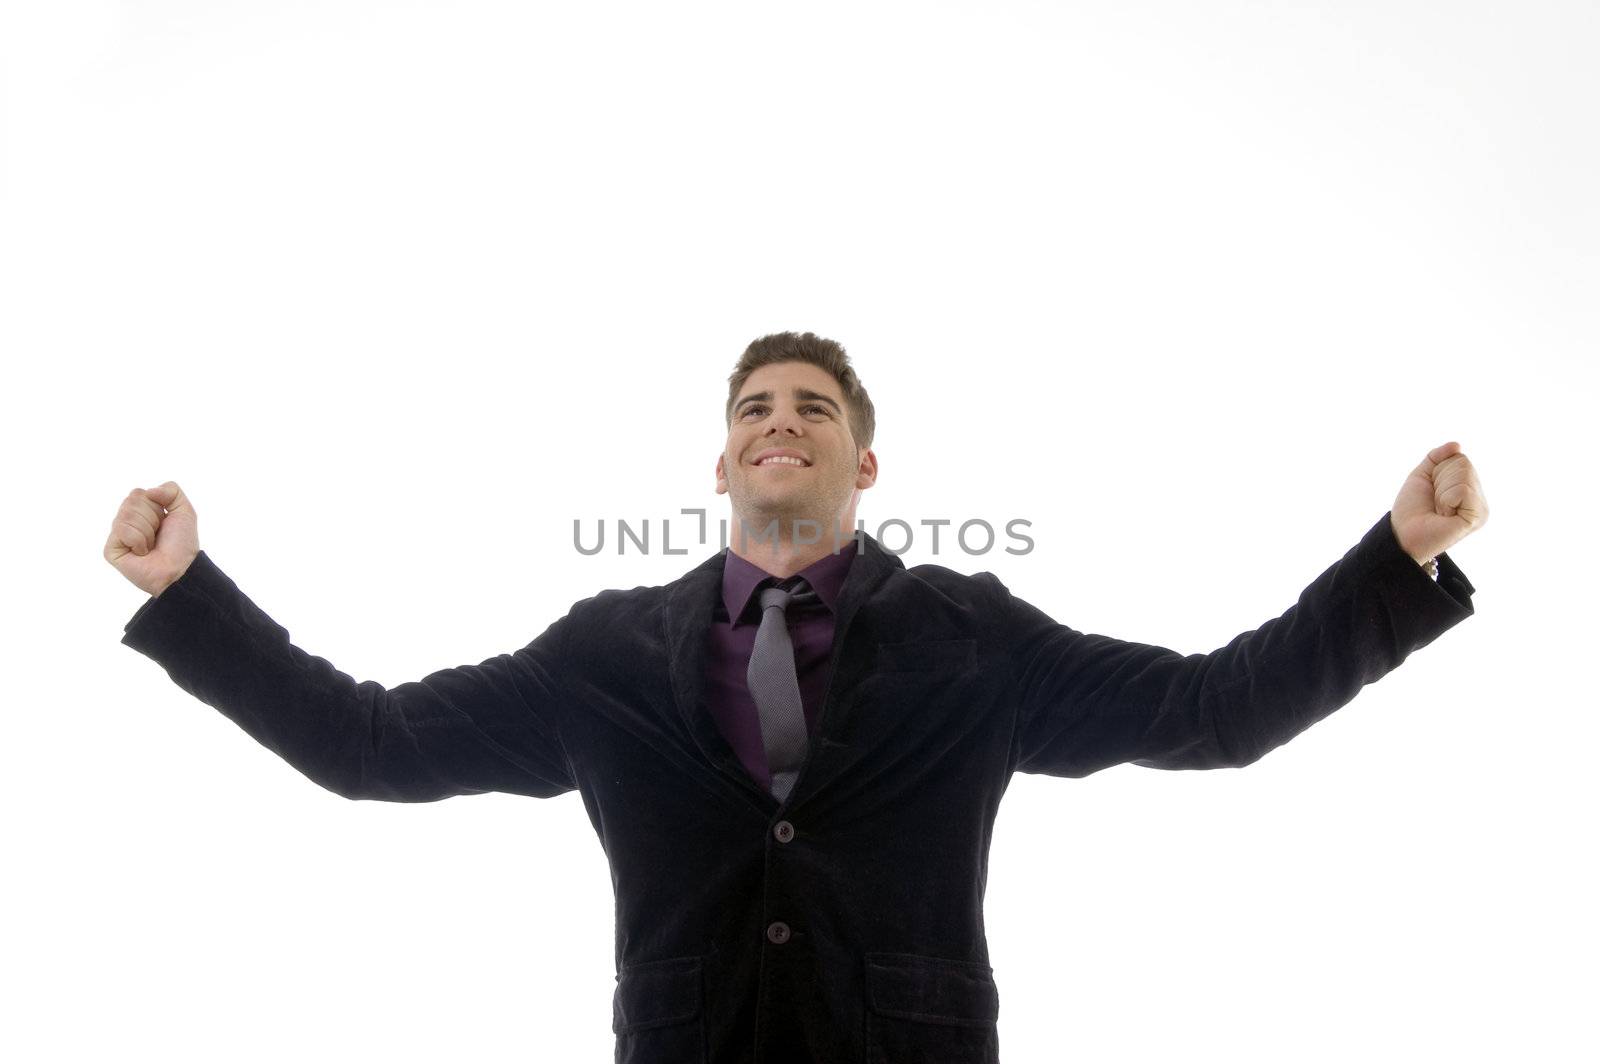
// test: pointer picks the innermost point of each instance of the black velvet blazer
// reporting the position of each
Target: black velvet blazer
(845, 924)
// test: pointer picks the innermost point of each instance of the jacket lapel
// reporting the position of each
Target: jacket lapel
(690, 602)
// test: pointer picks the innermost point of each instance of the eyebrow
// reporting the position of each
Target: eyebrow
(799, 393)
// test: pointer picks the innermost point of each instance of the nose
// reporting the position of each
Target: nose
(786, 421)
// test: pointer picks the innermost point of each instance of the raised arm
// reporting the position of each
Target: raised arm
(467, 730)
(1089, 701)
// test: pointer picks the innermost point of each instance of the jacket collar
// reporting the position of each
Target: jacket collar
(691, 600)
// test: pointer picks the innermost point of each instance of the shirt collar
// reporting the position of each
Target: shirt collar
(740, 577)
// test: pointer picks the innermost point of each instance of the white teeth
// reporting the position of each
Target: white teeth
(782, 458)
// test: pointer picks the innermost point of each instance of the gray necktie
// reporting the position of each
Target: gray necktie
(776, 688)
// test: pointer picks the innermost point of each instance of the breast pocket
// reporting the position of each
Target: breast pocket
(930, 1008)
(658, 1013)
(952, 655)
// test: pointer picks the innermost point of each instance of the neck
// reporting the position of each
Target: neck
(776, 547)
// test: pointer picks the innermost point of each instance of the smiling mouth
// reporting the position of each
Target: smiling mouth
(786, 462)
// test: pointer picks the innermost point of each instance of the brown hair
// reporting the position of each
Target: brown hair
(817, 351)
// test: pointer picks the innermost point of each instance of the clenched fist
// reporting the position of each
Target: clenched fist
(1440, 503)
(154, 537)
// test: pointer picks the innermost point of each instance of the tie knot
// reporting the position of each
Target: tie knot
(793, 592)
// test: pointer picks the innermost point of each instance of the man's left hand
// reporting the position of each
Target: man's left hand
(1440, 503)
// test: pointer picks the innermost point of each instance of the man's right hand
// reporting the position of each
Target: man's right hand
(154, 537)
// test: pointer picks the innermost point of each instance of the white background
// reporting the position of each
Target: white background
(397, 291)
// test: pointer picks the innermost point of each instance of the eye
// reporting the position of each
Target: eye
(753, 408)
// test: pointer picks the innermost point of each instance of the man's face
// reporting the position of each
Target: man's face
(797, 408)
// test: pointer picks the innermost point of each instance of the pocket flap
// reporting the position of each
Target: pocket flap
(932, 989)
(655, 994)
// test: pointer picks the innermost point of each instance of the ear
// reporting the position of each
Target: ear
(867, 472)
(722, 481)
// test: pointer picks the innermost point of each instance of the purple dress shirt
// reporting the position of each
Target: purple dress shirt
(732, 638)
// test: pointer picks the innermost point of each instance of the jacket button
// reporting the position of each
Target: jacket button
(778, 932)
(784, 831)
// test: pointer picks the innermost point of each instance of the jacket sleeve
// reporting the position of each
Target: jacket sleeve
(467, 730)
(1086, 702)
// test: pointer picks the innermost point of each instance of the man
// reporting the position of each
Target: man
(795, 780)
